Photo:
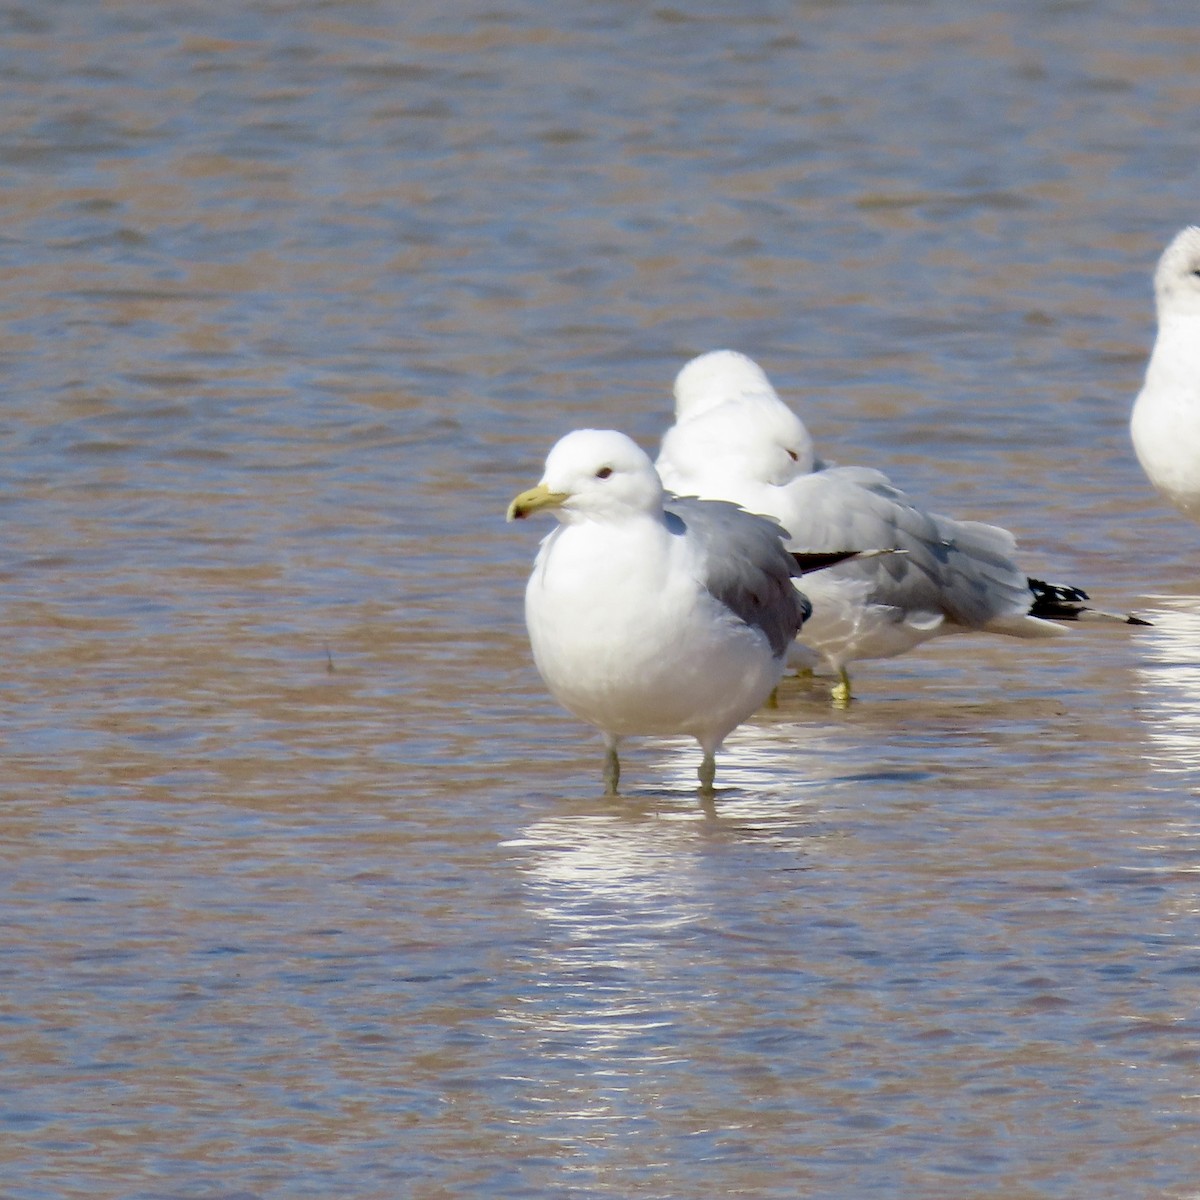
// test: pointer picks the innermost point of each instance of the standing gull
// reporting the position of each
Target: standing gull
(649, 615)
(736, 440)
(1165, 426)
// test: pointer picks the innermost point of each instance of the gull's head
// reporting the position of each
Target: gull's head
(1177, 278)
(745, 440)
(716, 377)
(593, 474)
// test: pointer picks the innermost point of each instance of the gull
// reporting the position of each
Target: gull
(1165, 426)
(648, 614)
(712, 379)
(736, 440)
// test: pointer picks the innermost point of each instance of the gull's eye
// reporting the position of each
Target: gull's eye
(604, 472)
(793, 456)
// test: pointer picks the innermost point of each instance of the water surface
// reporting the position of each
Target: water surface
(308, 887)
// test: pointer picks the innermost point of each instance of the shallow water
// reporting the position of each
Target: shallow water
(309, 889)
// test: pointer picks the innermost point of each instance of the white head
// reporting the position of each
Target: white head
(743, 440)
(1177, 278)
(593, 474)
(715, 377)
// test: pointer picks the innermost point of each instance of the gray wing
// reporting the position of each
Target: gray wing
(963, 569)
(747, 566)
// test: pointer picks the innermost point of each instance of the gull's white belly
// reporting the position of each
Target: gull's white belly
(629, 640)
(1165, 429)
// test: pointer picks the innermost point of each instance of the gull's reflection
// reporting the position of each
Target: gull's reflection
(1170, 683)
(620, 915)
(634, 902)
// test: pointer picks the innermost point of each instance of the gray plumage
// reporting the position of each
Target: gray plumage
(962, 569)
(748, 568)
(734, 439)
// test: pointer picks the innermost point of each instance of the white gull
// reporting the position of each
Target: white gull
(649, 615)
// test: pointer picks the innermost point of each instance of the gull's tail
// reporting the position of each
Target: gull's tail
(1061, 602)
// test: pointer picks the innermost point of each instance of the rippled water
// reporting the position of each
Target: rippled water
(308, 888)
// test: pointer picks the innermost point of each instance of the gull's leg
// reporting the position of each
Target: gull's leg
(707, 773)
(841, 690)
(612, 766)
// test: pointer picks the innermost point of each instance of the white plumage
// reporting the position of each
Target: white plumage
(1165, 426)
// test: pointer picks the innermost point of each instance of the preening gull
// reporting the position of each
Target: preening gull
(650, 615)
(736, 440)
(1165, 426)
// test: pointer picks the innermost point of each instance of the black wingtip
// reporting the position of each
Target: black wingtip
(817, 560)
(1061, 602)
(1056, 601)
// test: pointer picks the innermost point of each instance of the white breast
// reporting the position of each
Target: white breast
(1165, 427)
(627, 638)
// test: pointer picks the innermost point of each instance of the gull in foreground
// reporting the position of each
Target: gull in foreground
(736, 440)
(1165, 426)
(651, 615)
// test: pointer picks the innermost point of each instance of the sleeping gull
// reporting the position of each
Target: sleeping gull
(650, 615)
(737, 440)
(1165, 426)
(712, 379)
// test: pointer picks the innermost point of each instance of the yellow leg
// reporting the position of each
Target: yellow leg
(708, 772)
(841, 690)
(612, 770)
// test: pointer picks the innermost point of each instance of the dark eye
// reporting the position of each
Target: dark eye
(793, 456)
(604, 472)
